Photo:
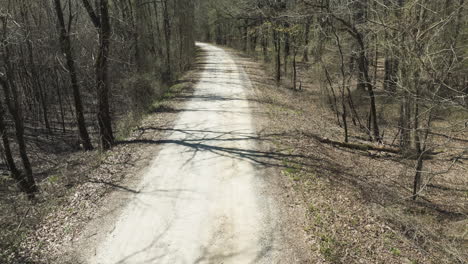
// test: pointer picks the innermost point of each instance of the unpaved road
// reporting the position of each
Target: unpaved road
(204, 198)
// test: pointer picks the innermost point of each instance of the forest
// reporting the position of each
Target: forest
(77, 77)
(368, 56)
(392, 74)
(57, 76)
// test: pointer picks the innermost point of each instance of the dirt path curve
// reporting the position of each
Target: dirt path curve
(203, 199)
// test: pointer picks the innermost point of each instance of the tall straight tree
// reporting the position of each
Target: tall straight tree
(13, 103)
(25, 184)
(167, 74)
(101, 21)
(66, 46)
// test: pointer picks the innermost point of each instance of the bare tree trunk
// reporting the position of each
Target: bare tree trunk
(245, 38)
(418, 175)
(305, 55)
(15, 173)
(102, 24)
(294, 79)
(405, 125)
(37, 85)
(67, 49)
(62, 113)
(167, 75)
(363, 63)
(253, 42)
(390, 77)
(14, 107)
(417, 139)
(277, 42)
(344, 114)
(287, 51)
(104, 118)
(265, 47)
(334, 102)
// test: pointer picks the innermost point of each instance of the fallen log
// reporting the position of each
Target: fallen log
(360, 146)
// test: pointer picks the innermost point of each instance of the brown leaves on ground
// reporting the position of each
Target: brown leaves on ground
(358, 202)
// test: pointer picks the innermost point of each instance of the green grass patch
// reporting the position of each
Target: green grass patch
(329, 248)
(395, 251)
(292, 170)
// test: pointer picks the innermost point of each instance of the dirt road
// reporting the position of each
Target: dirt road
(203, 200)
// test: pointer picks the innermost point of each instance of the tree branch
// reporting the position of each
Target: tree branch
(94, 18)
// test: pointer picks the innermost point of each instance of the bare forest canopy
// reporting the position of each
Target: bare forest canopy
(394, 69)
(70, 69)
(79, 75)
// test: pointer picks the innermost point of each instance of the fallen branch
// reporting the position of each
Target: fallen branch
(21, 222)
(359, 146)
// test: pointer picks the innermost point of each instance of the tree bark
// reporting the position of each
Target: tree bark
(65, 43)
(265, 47)
(14, 107)
(104, 117)
(277, 42)
(390, 77)
(287, 50)
(102, 24)
(167, 74)
(294, 79)
(15, 173)
(305, 55)
(364, 69)
(28, 182)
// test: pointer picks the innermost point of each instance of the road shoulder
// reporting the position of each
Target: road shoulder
(292, 208)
